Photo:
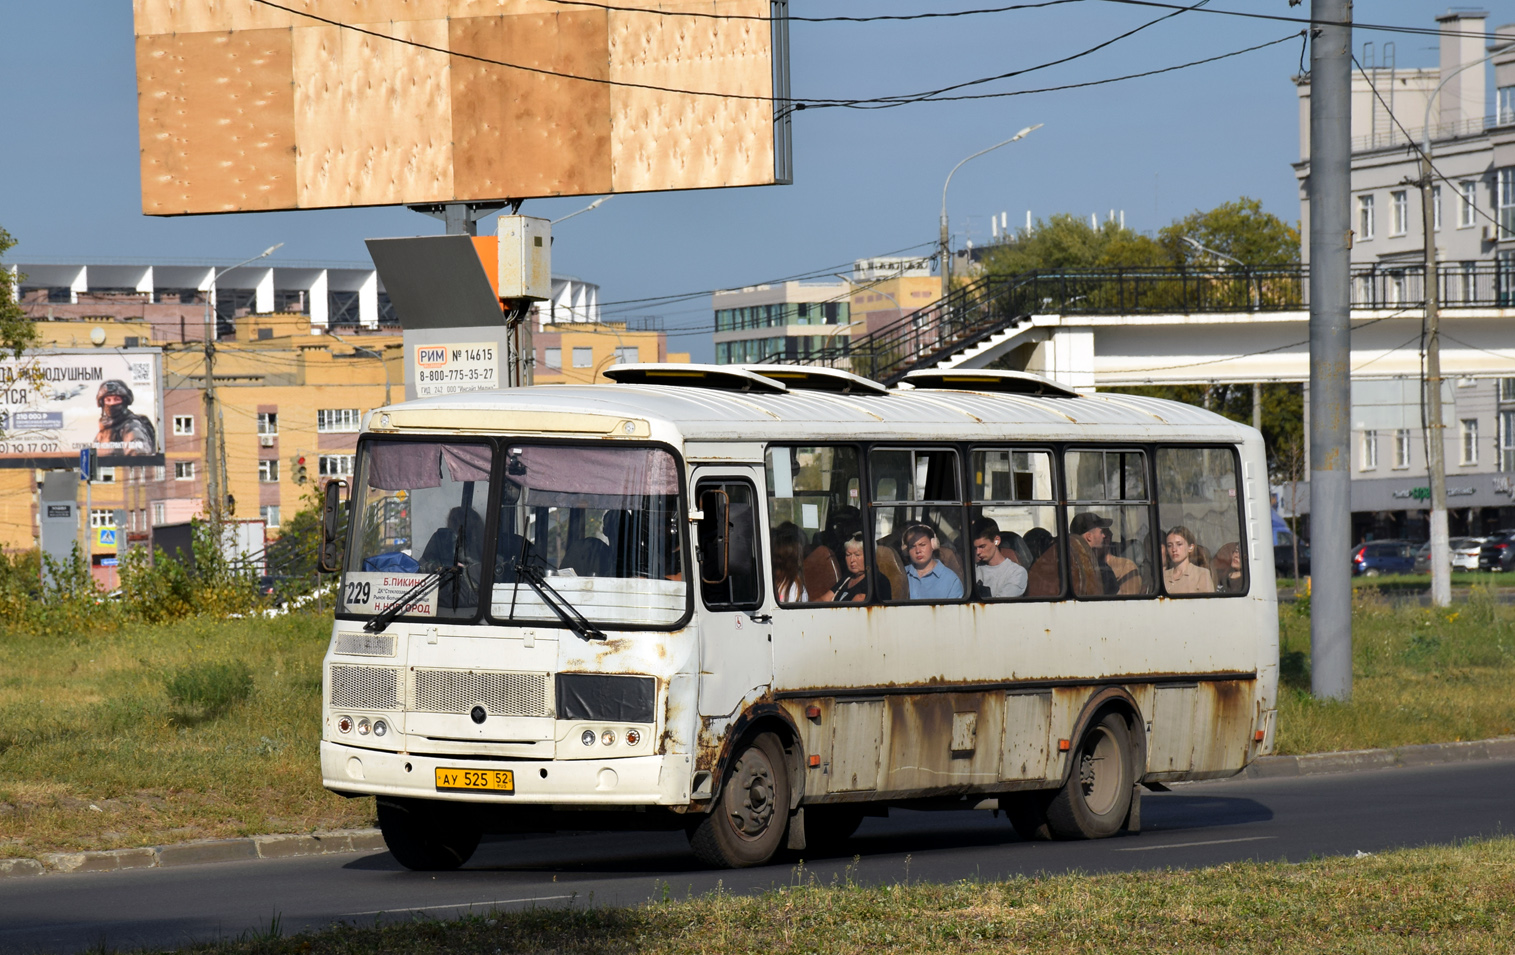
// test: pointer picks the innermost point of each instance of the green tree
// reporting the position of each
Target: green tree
(1070, 242)
(17, 332)
(1240, 229)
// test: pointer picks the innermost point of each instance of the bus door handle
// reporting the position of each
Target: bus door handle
(760, 617)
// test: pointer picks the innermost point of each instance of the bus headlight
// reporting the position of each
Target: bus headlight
(633, 737)
(344, 724)
(588, 738)
(380, 727)
(608, 737)
(363, 726)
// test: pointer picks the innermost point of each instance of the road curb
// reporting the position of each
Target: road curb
(285, 846)
(1429, 754)
(288, 846)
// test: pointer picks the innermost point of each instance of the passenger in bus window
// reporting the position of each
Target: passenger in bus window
(1180, 574)
(788, 545)
(1227, 570)
(929, 578)
(852, 588)
(1096, 571)
(996, 575)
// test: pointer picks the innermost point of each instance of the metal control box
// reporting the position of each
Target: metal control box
(525, 257)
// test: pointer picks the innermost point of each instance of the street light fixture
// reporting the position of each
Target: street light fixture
(946, 267)
(215, 434)
(589, 208)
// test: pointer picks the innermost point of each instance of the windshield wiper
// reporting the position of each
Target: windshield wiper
(386, 616)
(566, 611)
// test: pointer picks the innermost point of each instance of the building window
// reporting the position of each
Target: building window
(1505, 102)
(268, 471)
(102, 517)
(1507, 389)
(1507, 440)
(270, 515)
(334, 465)
(335, 419)
(107, 476)
(1364, 218)
(627, 354)
(1436, 208)
(1402, 448)
(160, 513)
(1469, 429)
(1369, 451)
(1400, 199)
(553, 359)
(1506, 207)
(1469, 191)
(159, 472)
(268, 422)
(184, 470)
(583, 358)
(184, 424)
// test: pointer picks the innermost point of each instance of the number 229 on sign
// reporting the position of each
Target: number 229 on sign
(476, 780)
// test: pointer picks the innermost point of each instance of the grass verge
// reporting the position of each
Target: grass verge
(1419, 675)
(1451, 899)
(153, 734)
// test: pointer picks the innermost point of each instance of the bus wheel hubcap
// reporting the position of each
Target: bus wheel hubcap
(752, 792)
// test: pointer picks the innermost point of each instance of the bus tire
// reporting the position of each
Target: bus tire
(827, 828)
(747, 824)
(1097, 796)
(422, 838)
(1027, 812)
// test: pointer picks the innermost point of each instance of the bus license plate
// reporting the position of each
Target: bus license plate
(476, 780)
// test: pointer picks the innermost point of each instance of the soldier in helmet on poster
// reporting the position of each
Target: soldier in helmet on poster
(122, 431)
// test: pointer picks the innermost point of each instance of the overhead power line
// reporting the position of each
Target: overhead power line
(1280, 18)
(702, 15)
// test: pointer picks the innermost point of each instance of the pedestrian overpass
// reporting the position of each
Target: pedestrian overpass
(1124, 327)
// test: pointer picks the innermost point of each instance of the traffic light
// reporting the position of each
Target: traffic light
(298, 469)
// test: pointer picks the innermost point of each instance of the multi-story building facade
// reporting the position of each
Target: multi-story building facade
(579, 352)
(1472, 139)
(884, 290)
(791, 320)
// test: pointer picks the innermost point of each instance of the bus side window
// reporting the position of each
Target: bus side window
(730, 572)
(917, 514)
(1200, 511)
(1109, 523)
(1013, 524)
(813, 494)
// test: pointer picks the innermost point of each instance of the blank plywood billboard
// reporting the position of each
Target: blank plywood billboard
(247, 106)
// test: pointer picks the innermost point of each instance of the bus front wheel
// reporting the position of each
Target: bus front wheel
(746, 826)
(422, 838)
(1094, 802)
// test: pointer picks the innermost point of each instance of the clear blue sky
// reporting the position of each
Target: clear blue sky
(866, 182)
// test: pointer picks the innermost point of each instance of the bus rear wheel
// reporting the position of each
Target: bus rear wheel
(1097, 797)
(747, 824)
(423, 837)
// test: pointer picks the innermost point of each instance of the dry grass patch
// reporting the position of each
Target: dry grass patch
(1455, 899)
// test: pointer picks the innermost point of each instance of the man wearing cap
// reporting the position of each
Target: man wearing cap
(122, 431)
(1117, 574)
(928, 579)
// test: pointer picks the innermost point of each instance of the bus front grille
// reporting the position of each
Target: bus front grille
(501, 694)
(365, 688)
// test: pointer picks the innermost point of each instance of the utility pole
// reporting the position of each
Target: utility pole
(1441, 551)
(1330, 191)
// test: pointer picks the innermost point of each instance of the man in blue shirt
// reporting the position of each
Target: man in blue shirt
(929, 580)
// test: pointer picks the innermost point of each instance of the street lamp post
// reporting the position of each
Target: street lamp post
(215, 434)
(945, 251)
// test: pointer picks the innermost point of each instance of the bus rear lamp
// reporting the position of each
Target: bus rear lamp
(587, 738)
(1063, 746)
(633, 737)
(1257, 736)
(608, 737)
(344, 724)
(812, 712)
(363, 726)
(815, 761)
(380, 727)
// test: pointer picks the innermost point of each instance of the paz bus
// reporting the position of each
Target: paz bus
(760, 603)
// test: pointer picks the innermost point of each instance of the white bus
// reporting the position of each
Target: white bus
(759, 604)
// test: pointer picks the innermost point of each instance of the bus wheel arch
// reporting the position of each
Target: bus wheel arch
(763, 718)
(748, 817)
(1106, 759)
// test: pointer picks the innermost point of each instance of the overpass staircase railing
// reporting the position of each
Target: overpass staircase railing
(991, 304)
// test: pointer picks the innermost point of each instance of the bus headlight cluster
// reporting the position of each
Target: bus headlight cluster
(346, 724)
(608, 737)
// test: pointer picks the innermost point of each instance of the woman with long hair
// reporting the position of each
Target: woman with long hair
(1180, 574)
(788, 569)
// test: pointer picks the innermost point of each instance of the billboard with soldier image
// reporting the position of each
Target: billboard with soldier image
(55, 403)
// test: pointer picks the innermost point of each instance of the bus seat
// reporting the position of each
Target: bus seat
(952, 561)
(820, 572)
(892, 566)
(587, 557)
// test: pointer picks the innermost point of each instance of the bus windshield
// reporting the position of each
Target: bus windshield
(420, 508)
(601, 523)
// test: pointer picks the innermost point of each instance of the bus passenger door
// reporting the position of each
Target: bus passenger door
(736, 651)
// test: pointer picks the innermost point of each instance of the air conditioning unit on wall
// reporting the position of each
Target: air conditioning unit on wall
(266, 440)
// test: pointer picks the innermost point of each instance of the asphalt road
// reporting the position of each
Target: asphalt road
(1196, 825)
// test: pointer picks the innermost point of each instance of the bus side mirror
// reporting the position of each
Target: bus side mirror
(715, 536)
(329, 559)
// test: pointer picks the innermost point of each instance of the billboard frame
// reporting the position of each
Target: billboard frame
(68, 460)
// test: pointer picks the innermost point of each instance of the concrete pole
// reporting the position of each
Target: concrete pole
(1257, 405)
(1441, 551)
(1330, 191)
(213, 493)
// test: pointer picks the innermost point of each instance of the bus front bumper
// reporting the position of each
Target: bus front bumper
(628, 781)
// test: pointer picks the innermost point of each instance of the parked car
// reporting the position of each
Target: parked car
(1283, 556)
(1498, 552)
(1464, 554)
(1383, 557)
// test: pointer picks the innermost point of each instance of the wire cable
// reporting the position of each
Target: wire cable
(696, 14)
